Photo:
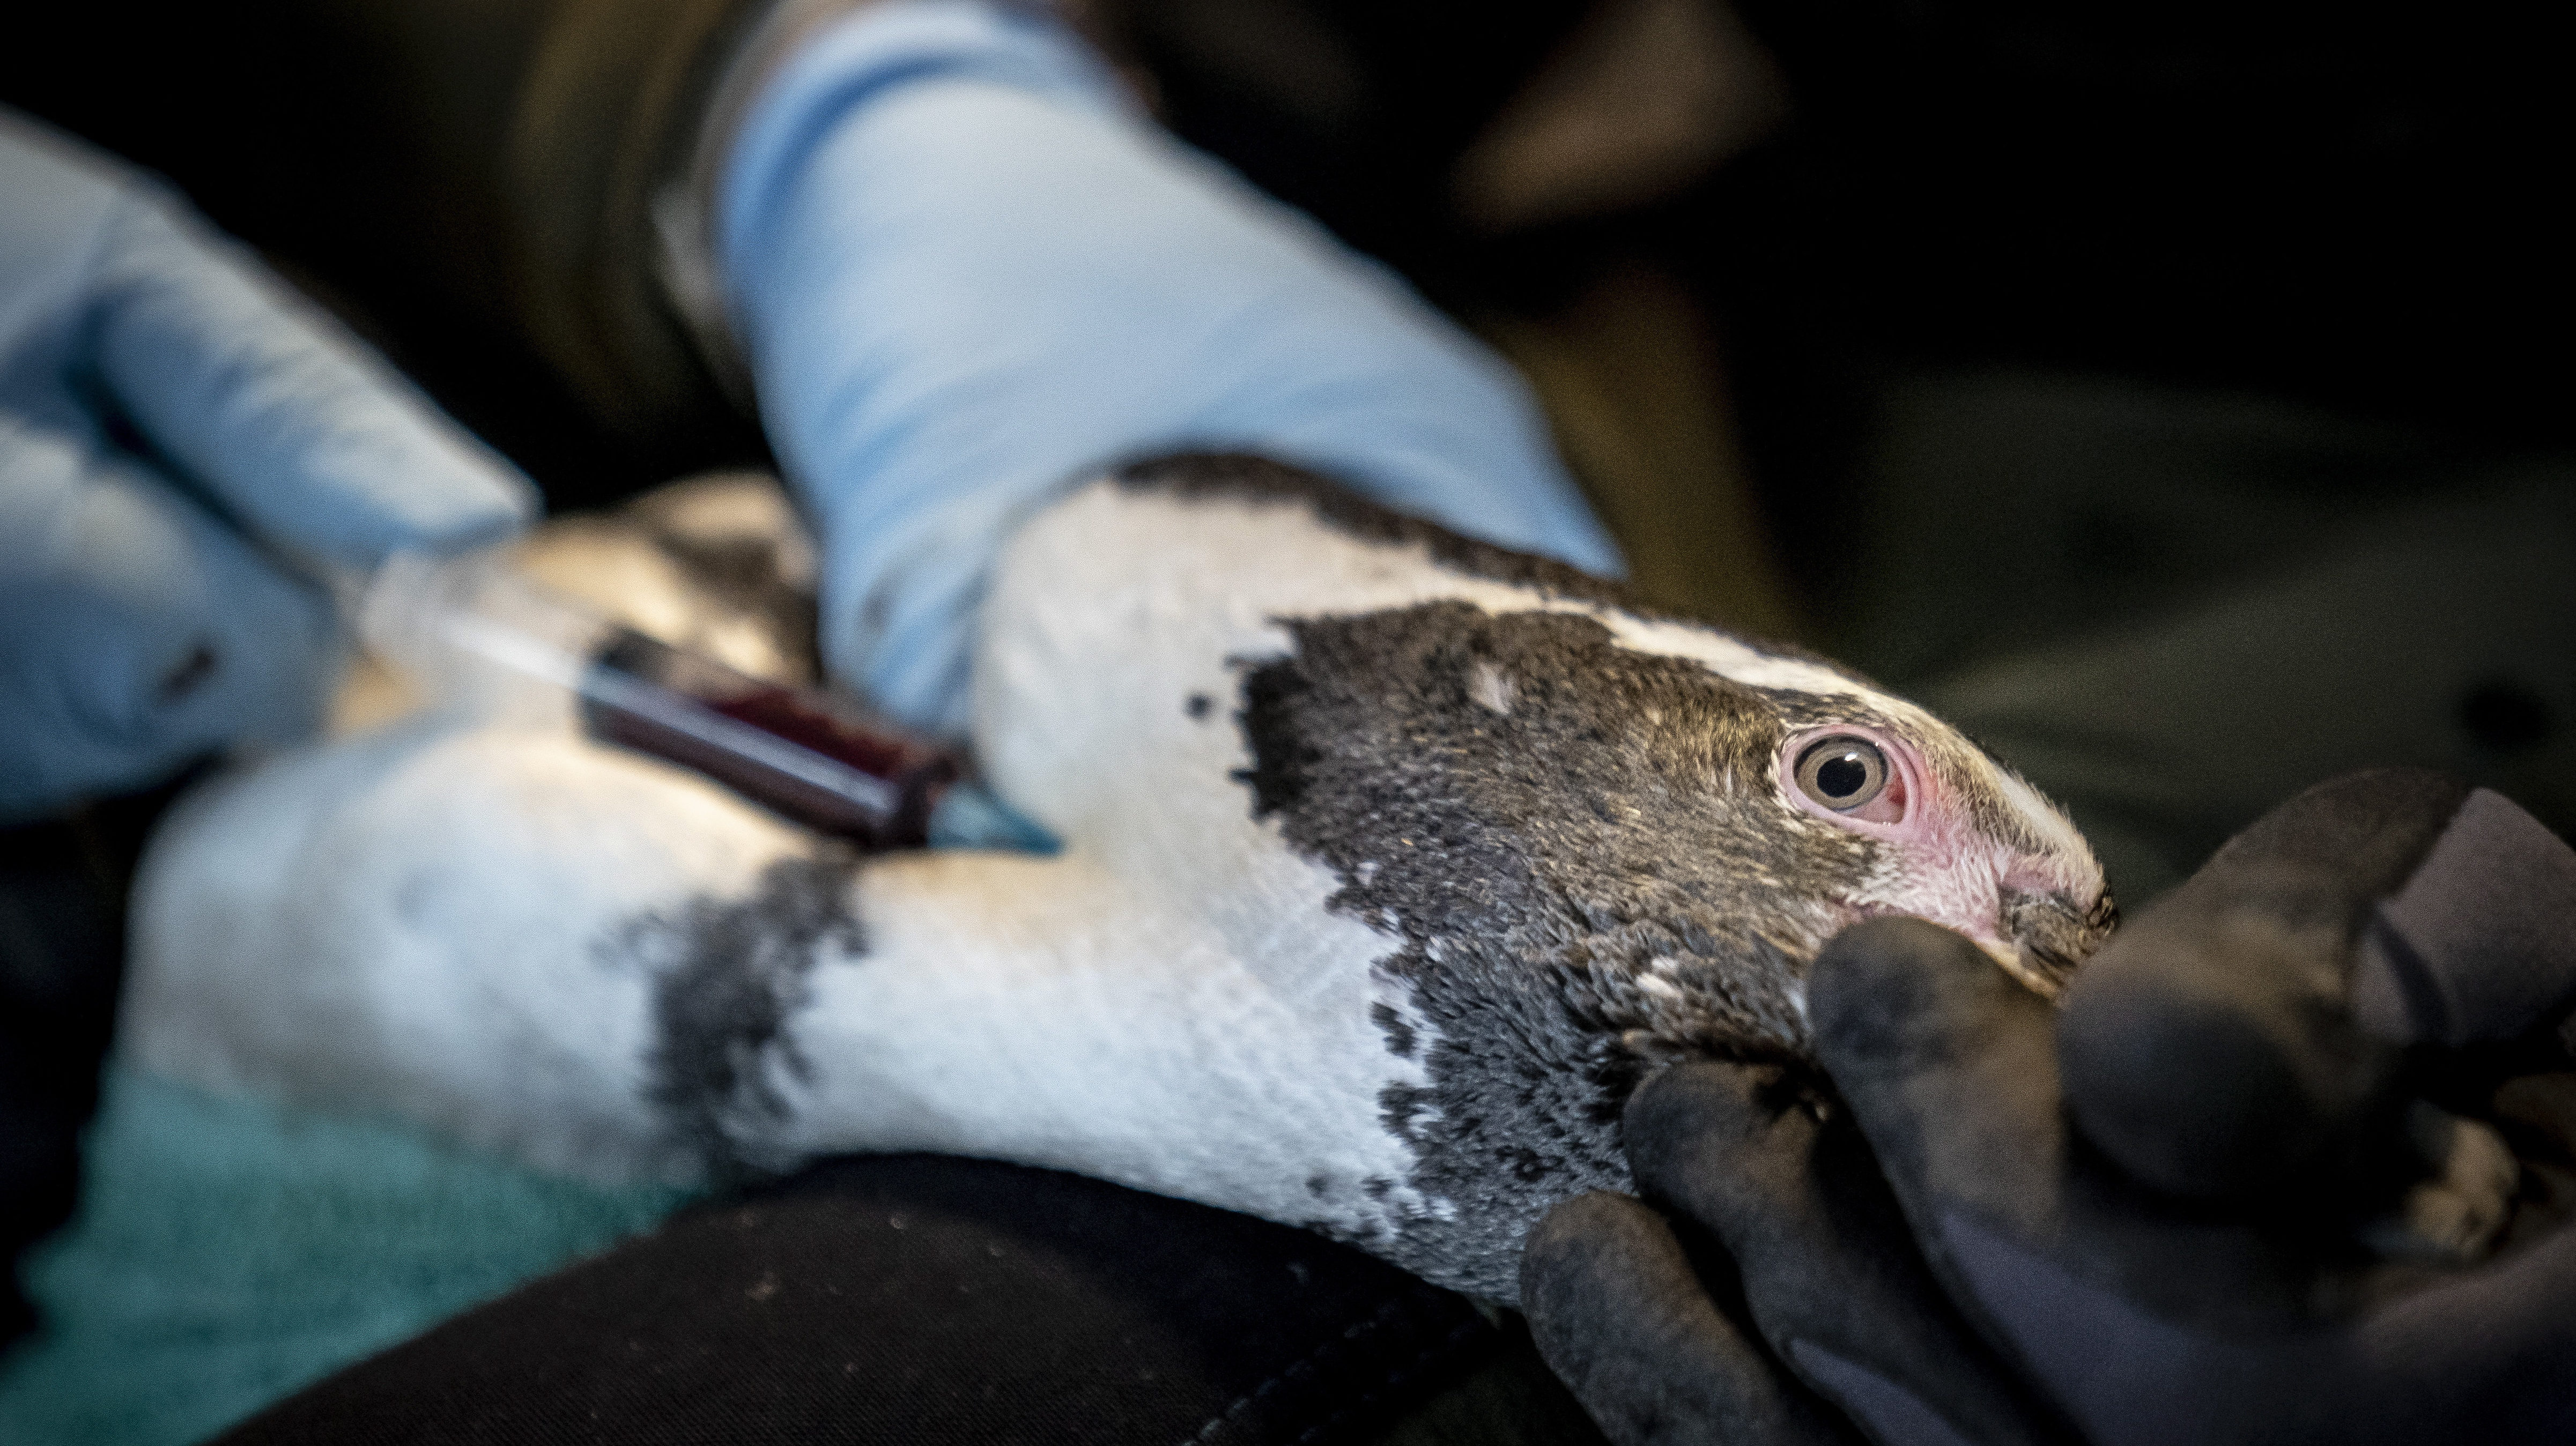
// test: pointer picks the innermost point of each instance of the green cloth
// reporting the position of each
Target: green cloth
(227, 1252)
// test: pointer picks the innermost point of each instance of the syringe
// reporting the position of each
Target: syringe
(449, 624)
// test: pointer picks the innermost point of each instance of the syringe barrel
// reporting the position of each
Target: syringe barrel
(821, 761)
(799, 751)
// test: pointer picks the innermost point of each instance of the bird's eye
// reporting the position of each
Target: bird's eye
(1842, 772)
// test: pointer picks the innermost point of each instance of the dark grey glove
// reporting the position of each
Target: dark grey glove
(1787, 1288)
(2279, 1048)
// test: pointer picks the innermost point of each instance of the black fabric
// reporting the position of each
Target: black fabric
(921, 1299)
(63, 886)
(61, 948)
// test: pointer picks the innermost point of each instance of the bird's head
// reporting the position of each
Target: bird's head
(1656, 817)
(1602, 842)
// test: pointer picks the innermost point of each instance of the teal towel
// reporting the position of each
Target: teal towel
(227, 1252)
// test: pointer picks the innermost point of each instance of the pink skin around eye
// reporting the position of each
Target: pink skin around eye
(1949, 872)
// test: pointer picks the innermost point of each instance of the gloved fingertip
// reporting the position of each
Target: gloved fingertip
(267, 402)
(1700, 1133)
(154, 635)
(1586, 1258)
(2244, 1036)
(1697, 1103)
(1569, 1228)
(1618, 1310)
(2480, 942)
(2199, 1061)
(1895, 993)
(1946, 1062)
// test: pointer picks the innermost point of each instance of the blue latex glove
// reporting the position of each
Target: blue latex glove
(966, 273)
(177, 432)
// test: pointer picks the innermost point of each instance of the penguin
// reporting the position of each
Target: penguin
(1392, 862)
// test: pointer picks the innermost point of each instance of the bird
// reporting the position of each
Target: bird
(1391, 863)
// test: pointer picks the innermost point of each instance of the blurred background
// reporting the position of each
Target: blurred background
(1775, 267)
(1921, 332)
(1823, 299)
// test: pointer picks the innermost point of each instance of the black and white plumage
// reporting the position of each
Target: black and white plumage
(1393, 862)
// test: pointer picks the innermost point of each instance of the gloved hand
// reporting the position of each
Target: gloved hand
(177, 432)
(2270, 1229)
(968, 276)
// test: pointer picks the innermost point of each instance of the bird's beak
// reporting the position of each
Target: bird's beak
(2010, 957)
(2050, 935)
